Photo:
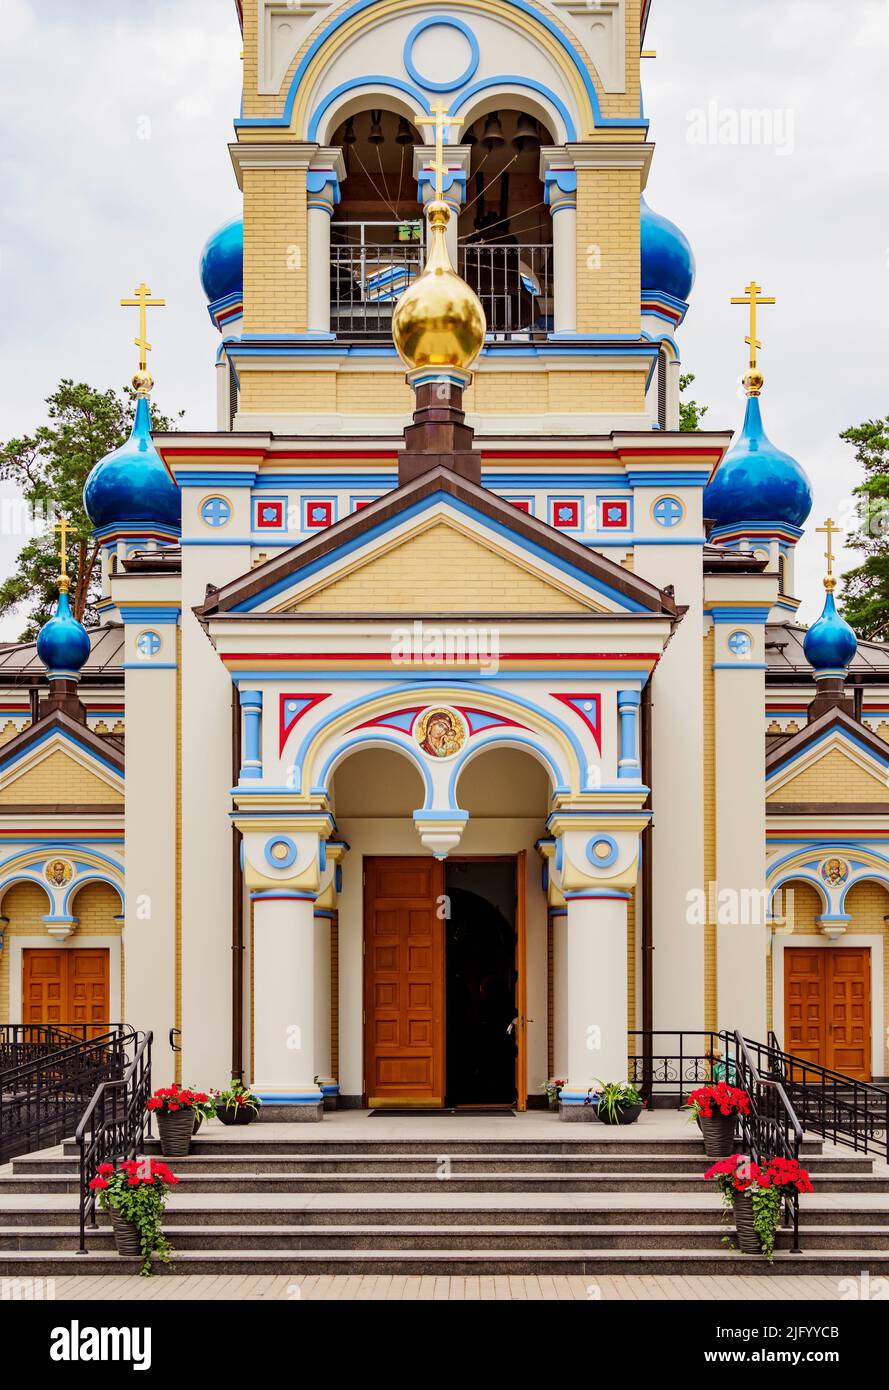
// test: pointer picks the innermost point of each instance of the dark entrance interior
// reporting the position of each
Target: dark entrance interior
(480, 980)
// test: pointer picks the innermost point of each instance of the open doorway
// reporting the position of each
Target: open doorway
(480, 982)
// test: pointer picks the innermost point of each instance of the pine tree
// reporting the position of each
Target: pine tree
(50, 467)
(865, 601)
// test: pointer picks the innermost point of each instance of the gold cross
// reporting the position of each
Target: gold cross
(439, 168)
(829, 530)
(751, 298)
(143, 302)
(63, 526)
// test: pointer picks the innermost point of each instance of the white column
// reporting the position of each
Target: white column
(284, 1038)
(323, 179)
(322, 994)
(596, 993)
(560, 195)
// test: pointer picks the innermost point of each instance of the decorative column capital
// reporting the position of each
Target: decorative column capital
(286, 856)
(456, 158)
(325, 174)
(271, 155)
(594, 856)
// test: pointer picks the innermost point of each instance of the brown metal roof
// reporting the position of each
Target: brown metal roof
(785, 656)
(19, 663)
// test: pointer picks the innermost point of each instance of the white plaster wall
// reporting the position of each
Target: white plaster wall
(677, 779)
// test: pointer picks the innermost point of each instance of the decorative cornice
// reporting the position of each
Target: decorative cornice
(271, 155)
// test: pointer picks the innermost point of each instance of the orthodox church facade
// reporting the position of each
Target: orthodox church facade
(447, 723)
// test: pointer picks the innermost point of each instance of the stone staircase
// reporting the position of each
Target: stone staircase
(605, 1202)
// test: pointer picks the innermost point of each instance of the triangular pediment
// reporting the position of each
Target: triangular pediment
(833, 762)
(440, 544)
(59, 763)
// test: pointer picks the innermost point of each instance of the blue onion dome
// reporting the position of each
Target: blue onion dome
(757, 482)
(222, 261)
(830, 644)
(63, 643)
(668, 262)
(131, 484)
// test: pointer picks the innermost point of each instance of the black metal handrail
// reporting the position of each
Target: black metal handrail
(849, 1112)
(26, 1042)
(42, 1098)
(113, 1127)
(772, 1128)
(670, 1063)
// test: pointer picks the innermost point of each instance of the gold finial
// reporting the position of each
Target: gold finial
(829, 529)
(442, 122)
(439, 320)
(142, 379)
(63, 526)
(752, 298)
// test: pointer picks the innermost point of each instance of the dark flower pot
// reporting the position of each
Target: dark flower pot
(719, 1135)
(126, 1235)
(748, 1239)
(553, 1100)
(236, 1115)
(627, 1116)
(175, 1131)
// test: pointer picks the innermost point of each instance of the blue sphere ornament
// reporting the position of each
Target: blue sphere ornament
(668, 262)
(131, 485)
(222, 261)
(63, 643)
(756, 481)
(830, 644)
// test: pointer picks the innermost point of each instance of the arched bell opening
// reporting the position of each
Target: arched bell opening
(505, 228)
(377, 232)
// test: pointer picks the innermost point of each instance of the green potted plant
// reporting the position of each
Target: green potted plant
(553, 1089)
(236, 1105)
(179, 1113)
(618, 1102)
(716, 1109)
(134, 1195)
(754, 1194)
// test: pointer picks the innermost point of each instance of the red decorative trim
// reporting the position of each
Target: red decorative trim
(499, 722)
(381, 721)
(387, 656)
(285, 729)
(571, 701)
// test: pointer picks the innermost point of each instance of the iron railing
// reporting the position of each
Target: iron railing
(667, 1065)
(772, 1129)
(849, 1112)
(113, 1126)
(41, 1099)
(25, 1042)
(514, 284)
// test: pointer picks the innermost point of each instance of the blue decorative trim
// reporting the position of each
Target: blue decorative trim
(290, 1097)
(724, 614)
(598, 894)
(371, 82)
(674, 477)
(444, 22)
(740, 665)
(602, 861)
(512, 737)
(828, 733)
(68, 737)
(91, 877)
(366, 739)
(288, 859)
(206, 478)
(272, 893)
(149, 615)
(448, 815)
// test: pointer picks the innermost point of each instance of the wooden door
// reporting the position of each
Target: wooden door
(521, 1061)
(404, 982)
(827, 1007)
(65, 986)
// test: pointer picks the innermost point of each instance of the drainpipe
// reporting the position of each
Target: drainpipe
(647, 916)
(237, 909)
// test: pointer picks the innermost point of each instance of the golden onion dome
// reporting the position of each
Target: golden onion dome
(439, 320)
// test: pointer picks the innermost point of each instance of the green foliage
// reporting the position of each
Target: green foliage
(766, 1215)
(49, 467)
(617, 1096)
(690, 413)
(865, 601)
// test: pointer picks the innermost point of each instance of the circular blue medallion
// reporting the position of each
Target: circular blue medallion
(148, 644)
(280, 852)
(216, 512)
(602, 851)
(668, 512)
(740, 643)
(441, 23)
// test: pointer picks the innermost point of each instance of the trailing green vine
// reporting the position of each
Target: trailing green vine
(137, 1192)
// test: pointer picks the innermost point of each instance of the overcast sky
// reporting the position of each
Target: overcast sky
(114, 168)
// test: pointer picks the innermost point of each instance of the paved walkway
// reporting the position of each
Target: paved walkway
(640, 1288)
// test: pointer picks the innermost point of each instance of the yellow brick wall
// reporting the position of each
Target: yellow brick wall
(95, 907)
(609, 277)
(491, 393)
(710, 974)
(866, 903)
(440, 570)
(26, 905)
(275, 294)
(59, 779)
(631, 962)
(10, 730)
(835, 777)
